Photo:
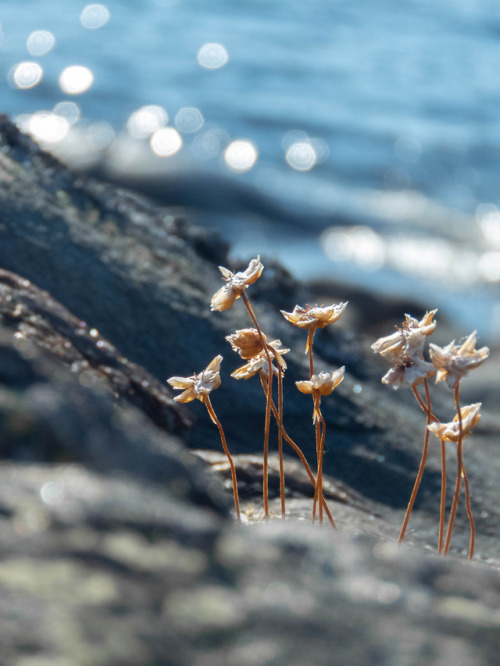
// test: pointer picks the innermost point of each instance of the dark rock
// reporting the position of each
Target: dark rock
(116, 546)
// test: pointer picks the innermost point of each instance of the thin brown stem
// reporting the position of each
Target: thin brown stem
(318, 495)
(470, 516)
(299, 452)
(280, 439)
(460, 464)
(309, 349)
(265, 471)
(442, 508)
(215, 420)
(423, 460)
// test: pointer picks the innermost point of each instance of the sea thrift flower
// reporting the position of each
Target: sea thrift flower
(453, 362)
(248, 344)
(198, 386)
(450, 432)
(258, 364)
(407, 341)
(324, 383)
(319, 385)
(236, 283)
(408, 372)
(313, 317)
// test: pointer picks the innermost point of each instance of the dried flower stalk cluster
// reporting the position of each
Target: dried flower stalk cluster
(403, 350)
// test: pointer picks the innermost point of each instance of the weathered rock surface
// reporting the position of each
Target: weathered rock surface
(116, 544)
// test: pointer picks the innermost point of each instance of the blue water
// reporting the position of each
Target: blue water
(397, 101)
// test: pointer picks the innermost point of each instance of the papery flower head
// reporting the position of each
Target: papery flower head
(453, 362)
(450, 432)
(319, 385)
(236, 283)
(408, 372)
(198, 386)
(324, 383)
(314, 316)
(256, 365)
(407, 341)
(248, 343)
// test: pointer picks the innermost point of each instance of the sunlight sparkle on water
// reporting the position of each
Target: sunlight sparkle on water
(26, 75)
(189, 120)
(68, 110)
(212, 56)
(489, 266)
(75, 79)
(165, 142)
(94, 16)
(240, 155)
(301, 156)
(359, 244)
(146, 120)
(488, 218)
(40, 42)
(48, 127)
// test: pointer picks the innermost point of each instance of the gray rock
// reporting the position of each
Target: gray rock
(117, 546)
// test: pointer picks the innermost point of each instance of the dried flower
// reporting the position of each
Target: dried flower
(450, 432)
(324, 383)
(453, 362)
(407, 341)
(314, 316)
(247, 342)
(408, 372)
(259, 363)
(198, 386)
(236, 283)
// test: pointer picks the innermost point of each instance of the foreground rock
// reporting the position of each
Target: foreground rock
(116, 545)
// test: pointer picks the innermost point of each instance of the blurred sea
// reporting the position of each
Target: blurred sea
(374, 128)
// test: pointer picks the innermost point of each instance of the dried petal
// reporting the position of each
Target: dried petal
(450, 432)
(236, 284)
(408, 341)
(198, 385)
(314, 316)
(454, 362)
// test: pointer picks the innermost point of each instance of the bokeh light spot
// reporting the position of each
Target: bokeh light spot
(241, 155)
(189, 120)
(94, 16)
(26, 75)
(212, 56)
(40, 42)
(359, 244)
(68, 110)
(146, 120)
(301, 156)
(48, 127)
(75, 79)
(166, 142)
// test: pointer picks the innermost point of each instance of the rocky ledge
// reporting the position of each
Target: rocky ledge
(117, 544)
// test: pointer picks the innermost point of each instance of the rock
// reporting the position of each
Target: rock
(118, 547)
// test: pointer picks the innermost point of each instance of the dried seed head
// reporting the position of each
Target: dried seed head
(246, 342)
(198, 386)
(314, 316)
(324, 383)
(409, 372)
(408, 341)
(450, 432)
(453, 362)
(256, 365)
(236, 283)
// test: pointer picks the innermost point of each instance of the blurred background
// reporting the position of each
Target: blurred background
(359, 143)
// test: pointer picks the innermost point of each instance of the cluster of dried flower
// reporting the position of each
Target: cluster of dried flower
(403, 349)
(265, 360)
